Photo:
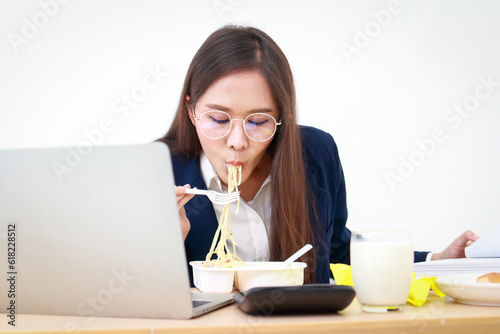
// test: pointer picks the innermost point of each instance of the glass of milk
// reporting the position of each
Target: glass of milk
(382, 268)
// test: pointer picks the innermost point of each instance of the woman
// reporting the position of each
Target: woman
(238, 107)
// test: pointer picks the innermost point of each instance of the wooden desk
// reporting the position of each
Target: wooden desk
(436, 316)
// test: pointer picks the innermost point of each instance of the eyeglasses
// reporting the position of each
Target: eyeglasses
(216, 124)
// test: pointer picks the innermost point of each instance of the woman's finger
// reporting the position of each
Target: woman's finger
(182, 197)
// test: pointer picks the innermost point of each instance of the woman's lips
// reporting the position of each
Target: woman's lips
(235, 163)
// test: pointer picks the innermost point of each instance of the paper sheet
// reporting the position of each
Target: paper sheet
(488, 244)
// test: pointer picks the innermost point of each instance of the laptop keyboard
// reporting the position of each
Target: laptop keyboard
(197, 302)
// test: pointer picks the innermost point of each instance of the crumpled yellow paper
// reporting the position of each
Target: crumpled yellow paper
(341, 273)
(419, 289)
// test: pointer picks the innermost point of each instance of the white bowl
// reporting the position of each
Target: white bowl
(464, 289)
(257, 274)
(213, 280)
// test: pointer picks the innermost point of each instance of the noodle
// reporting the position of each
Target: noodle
(225, 258)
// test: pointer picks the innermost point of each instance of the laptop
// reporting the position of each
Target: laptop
(94, 231)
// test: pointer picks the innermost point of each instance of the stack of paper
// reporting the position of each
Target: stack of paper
(457, 266)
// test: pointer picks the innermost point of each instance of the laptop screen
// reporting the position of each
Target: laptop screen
(96, 234)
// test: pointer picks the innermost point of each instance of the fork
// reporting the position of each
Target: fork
(214, 196)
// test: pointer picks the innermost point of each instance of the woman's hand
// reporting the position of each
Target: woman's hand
(182, 199)
(457, 248)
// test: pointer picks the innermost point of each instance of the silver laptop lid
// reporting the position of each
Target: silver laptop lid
(96, 234)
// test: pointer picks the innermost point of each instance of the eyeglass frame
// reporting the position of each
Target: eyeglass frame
(276, 124)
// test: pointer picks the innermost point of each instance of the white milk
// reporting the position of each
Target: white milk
(381, 272)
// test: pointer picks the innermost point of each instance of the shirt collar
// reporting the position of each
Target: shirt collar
(209, 175)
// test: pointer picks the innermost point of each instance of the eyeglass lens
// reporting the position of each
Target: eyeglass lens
(216, 124)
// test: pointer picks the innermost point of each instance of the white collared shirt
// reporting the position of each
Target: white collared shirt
(251, 224)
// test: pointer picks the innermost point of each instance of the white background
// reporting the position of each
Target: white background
(65, 68)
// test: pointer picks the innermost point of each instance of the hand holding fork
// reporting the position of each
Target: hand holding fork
(183, 196)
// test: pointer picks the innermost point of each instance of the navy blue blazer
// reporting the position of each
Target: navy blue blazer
(325, 180)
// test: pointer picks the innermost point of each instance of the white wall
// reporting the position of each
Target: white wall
(380, 76)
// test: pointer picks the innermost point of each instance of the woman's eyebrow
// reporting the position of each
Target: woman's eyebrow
(261, 110)
(222, 108)
(217, 107)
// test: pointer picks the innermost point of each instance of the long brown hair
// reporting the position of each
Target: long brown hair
(234, 48)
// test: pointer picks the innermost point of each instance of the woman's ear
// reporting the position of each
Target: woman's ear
(189, 111)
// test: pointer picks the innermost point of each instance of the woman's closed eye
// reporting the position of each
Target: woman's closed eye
(219, 120)
(257, 123)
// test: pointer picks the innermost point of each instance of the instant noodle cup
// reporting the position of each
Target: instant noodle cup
(211, 279)
(259, 274)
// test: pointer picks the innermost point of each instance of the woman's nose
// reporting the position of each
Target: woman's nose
(237, 138)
